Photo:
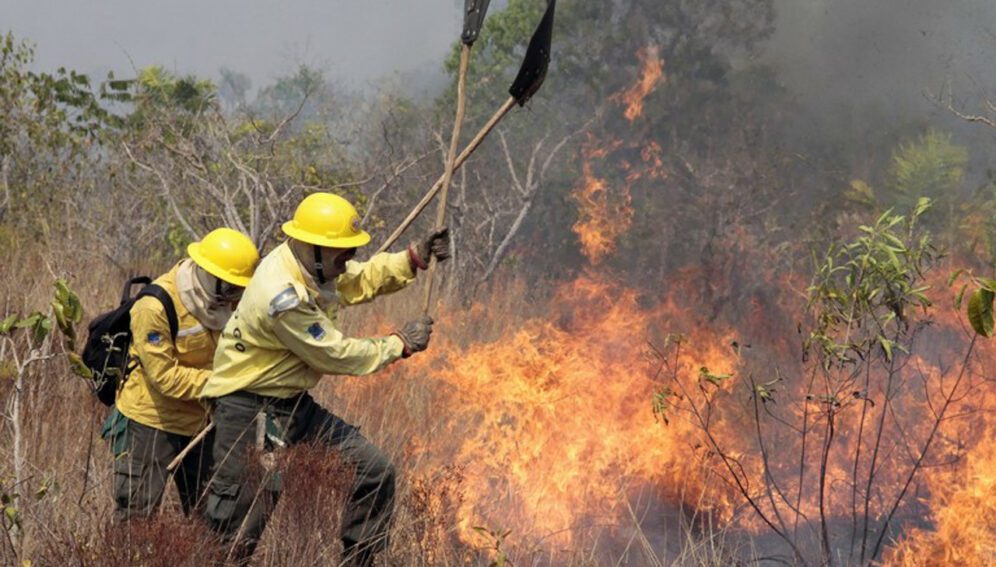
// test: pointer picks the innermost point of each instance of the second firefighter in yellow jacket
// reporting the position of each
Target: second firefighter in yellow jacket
(280, 341)
(157, 409)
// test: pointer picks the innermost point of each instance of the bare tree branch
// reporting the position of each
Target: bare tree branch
(180, 217)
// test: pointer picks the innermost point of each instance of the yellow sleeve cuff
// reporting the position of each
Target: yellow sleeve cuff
(399, 263)
(397, 346)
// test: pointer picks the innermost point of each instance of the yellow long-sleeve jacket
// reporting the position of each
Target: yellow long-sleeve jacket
(279, 342)
(162, 390)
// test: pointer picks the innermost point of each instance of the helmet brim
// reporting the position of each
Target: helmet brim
(355, 241)
(195, 253)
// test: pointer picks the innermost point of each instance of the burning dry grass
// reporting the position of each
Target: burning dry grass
(445, 437)
(551, 426)
(524, 434)
(964, 516)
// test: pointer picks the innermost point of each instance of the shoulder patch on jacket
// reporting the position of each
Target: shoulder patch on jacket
(284, 301)
(316, 331)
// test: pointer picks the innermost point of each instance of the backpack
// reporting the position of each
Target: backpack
(106, 350)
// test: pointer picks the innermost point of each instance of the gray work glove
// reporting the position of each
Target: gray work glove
(415, 334)
(435, 245)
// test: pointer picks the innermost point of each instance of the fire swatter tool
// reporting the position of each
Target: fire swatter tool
(527, 82)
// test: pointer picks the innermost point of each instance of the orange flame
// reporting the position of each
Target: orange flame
(550, 421)
(553, 422)
(961, 497)
(603, 215)
(964, 514)
(604, 212)
(651, 73)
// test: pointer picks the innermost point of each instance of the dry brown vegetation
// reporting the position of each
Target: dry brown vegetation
(65, 511)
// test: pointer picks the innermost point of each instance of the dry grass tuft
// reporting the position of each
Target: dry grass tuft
(166, 540)
(304, 529)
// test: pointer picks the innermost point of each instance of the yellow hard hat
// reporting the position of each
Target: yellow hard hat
(226, 254)
(324, 219)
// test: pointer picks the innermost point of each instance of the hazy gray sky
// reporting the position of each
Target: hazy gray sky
(357, 40)
(883, 52)
(861, 67)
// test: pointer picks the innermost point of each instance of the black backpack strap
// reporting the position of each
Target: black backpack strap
(126, 294)
(162, 295)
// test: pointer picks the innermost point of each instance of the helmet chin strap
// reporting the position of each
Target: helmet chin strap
(319, 267)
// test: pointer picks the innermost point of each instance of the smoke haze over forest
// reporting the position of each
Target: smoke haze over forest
(828, 52)
(854, 67)
(844, 60)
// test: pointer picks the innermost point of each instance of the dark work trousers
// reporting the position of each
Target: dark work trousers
(240, 499)
(140, 474)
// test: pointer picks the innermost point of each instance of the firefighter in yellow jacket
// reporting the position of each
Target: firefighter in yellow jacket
(280, 341)
(157, 412)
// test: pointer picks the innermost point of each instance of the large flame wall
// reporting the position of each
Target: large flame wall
(551, 420)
